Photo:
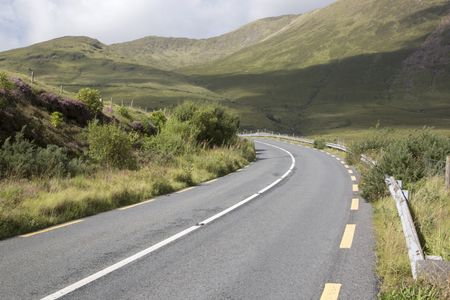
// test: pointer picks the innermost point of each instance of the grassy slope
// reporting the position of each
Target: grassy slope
(77, 62)
(174, 53)
(344, 66)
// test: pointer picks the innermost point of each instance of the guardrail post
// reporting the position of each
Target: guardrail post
(447, 173)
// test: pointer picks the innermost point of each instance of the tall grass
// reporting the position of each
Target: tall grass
(28, 205)
(418, 159)
(429, 203)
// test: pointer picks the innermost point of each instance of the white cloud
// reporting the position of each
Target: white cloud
(23, 22)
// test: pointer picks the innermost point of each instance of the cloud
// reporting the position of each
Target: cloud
(23, 22)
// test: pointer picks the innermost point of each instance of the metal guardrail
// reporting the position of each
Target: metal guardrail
(415, 251)
(417, 259)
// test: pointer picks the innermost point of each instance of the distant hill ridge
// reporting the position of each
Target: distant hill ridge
(346, 65)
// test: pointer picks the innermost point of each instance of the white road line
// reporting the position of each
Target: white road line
(171, 239)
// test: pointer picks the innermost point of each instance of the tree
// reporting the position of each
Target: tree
(92, 98)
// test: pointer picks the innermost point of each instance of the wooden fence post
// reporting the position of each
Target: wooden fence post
(447, 173)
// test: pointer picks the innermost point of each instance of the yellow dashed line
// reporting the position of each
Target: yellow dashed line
(353, 178)
(355, 204)
(51, 228)
(211, 181)
(185, 190)
(355, 188)
(331, 291)
(136, 204)
(347, 238)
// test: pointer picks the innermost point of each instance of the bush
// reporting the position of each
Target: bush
(319, 144)
(158, 119)
(51, 161)
(17, 157)
(215, 126)
(124, 112)
(56, 119)
(411, 158)
(5, 83)
(92, 98)
(23, 159)
(110, 146)
(176, 138)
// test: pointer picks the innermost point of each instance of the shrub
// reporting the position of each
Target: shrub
(158, 119)
(110, 146)
(51, 161)
(17, 157)
(213, 123)
(124, 112)
(92, 98)
(176, 138)
(56, 119)
(22, 159)
(319, 144)
(5, 83)
(411, 158)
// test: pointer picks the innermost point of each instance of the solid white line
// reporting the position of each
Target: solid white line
(173, 238)
(118, 265)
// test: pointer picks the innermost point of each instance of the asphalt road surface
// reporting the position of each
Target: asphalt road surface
(299, 234)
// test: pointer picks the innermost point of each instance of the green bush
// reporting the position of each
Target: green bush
(158, 119)
(215, 126)
(17, 157)
(51, 161)
(110, 146)
(92, 99)
(5, 83)
(319, 144)
(175, 138)
(23, 159)
(410, 158)
(56, 119)
(124, 112)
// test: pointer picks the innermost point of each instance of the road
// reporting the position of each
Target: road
(300, 239)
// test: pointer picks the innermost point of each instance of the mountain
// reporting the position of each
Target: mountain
(348, 65)
(174, 53)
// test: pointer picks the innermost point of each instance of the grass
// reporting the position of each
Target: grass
(29, 205)
(430, 205)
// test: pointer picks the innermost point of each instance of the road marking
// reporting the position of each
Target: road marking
(347, 238)
(347, 167)
(185, 190)
(211, 181)
(355, 204)
(353, 178)
(331, 291)
(350, 171)
(136, 204)
(51, 228)
(126, 261)
(355, 188)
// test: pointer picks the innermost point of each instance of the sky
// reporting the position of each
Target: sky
(25, 22)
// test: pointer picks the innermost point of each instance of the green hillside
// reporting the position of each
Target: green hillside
(175, 53)
(77, 62)
(349, 65)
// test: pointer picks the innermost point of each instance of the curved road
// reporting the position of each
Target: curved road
(298, 240)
